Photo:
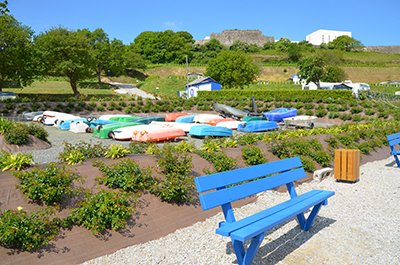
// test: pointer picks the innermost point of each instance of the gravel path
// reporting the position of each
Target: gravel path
(360, 225)
(131, 89)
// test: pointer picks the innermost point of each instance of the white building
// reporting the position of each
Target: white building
(346, 85)
(324, 36)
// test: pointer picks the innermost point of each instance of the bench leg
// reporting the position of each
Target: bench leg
(246, 257)
(312, 216)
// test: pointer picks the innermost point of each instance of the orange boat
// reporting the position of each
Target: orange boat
(158, 134)
(215, 121)
(173, 116)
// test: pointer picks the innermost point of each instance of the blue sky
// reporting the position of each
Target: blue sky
(372, 22)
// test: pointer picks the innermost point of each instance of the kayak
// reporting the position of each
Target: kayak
(280, 114)
(149, 119)
(257, 126)
(213, 131)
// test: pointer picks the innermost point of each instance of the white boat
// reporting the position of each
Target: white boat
(233, 125)
(301, 121)
(206, 118)
(109, 116)
(54, 120)
(50, 113)
(177, 125)
(78, 127)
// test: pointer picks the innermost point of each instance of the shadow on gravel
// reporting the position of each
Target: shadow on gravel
(391, 164)
(275, 251)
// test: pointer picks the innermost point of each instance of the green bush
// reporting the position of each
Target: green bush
(5, 125)
(172, 162)
(185, 147)
(138, 147)
(38, 131)
(74, 154)
(210, 146)
(365, 148)
(116, 151)
(18, 134)
(308, 163)
(49, 185)
(252, 155)
(19, 230)
(14, 161)
(321, 113)
(221, 161)
(333, 115)
(104, 210)
(175, 189)
(125, 175)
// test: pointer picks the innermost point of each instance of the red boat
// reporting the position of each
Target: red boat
(215, 121)
(173, 116)
(157, 134)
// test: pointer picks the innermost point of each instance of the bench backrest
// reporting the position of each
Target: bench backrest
(225, 187)
(393, 139)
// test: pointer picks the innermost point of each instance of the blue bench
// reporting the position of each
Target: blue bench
(221, 189)
(394, 139)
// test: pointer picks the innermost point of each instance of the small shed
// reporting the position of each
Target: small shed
(201, 84)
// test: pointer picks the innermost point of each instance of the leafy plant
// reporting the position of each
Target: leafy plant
(175, 189)
(221, 161)
(38, 131)
(27, 232)
(5, 125)
(308, 163)
(125, 175)
(116, 151)
(152, 149)
(171, 162)
(185, 146)
(14, 161)
(138, 147)
(49, 185)
(18, 134)
(210, 146)
(77, 153)
(104, 210)
(253, 155)
(74, 157)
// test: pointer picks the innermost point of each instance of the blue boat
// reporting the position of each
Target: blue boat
(185, 119)
(257, 126)
(65, 125)
(212, 131)
(280, 114)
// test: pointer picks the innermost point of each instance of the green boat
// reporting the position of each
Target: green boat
(149, 119)
(253, 118)
(125, 119)
(102, 131)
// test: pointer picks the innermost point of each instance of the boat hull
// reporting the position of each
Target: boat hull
(103, 132)
(280, 114)
(185, 119)
(205, 118)
(210, 131)
(257, 126)
(173, 116)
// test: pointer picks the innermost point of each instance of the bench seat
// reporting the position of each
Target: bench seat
(394, 141)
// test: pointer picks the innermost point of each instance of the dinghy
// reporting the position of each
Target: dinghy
(205, 118)
(109, 116)
(125, 119)
(126, 133)
(257, 126)
(103, 131)
(78, 127)
(233, 125)
(253, 118)
(177, 125)
(185, 119)
(51, 121)
(301, 121)
(149, 119)
(29, 116)
(99, 122)
(65, 125)
(228, 111)
(212, 131)
(173, 116)
(280, 114)
(215, 121)
(154, 134)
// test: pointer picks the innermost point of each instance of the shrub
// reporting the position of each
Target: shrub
(355, 110)
(345, 117)
(49, 185)
(5, 125)
(175, 189)
(308, 163)
(333, 115)
(321, 113)
(38, 131)
(365, 148)
(322, 158)
(248, 139)
(210, 146)
(185, 146)
(27, 232)
(14, 161)
(138, 147)
(152, 149)
(74, 154)
(171, 162)
(104, 210)
(116, 151)
(18, 134)
(126, 176)
(221, 161)
(229, 142)
(253, 155)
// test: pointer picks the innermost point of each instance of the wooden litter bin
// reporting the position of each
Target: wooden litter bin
(347, 165)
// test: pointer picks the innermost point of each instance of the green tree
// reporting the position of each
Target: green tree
(203, 53)
(312, 69)
(232, 69)
(100, 51)
(333, 73)
(66, 53)
(3, 8)
(164, 47)
(283, 44)
(123, 57)
(345, 43)
(16, 51)
(294, 53)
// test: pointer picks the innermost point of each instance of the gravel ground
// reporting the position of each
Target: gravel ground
(360, 225)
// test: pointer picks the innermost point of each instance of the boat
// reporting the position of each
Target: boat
(49, 113)
(257, 126)
(204, 118)
(253, 118)
(78, 127)
(228, 111)
(154, 134)
(54, 120)
(233, 124)
(212, 131)
(104, 131)
(109, 116)
(124, 118)
(301, 121)
(99, 122)
(280, 114)
(29, 116)
(178, 125)
(173, 116)
(215, 121)
(185, 119)
(149, 119)
(66, 124)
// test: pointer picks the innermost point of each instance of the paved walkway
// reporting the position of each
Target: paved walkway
(130, 89)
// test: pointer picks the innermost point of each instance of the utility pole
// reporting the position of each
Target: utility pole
(187, 69)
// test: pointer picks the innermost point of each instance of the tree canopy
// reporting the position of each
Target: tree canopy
(233, 69)
(16, 52)
(164, 47)
(345, 43)
(311, 69)
(65, 53)
(3, 7)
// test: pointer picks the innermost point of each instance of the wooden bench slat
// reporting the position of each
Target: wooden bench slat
(230, 194)
(217, 180)
(269, 222)
(393, 136)
(227, 228)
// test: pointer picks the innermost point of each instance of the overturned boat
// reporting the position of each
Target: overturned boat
(210, 131)
(228, 111)
(257, 126)
(280, 114)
